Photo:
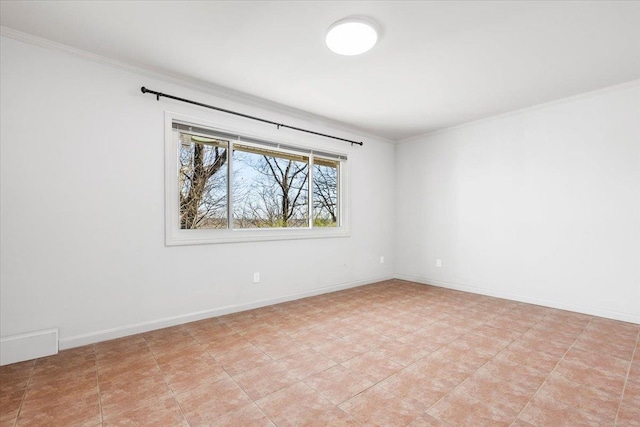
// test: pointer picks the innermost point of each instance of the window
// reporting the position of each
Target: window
(223, 186)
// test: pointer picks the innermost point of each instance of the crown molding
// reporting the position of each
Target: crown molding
(203, 86)
(536, 107)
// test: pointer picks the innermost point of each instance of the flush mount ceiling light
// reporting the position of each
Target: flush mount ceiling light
(351, 36)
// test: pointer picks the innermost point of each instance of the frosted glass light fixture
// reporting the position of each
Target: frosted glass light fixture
(351, 36)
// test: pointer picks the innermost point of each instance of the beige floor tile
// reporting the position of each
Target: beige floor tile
(164, 412)
(338, 384)
(376, 406)
(461, 409)
(294, 405)
(207, 403)
(372, 366)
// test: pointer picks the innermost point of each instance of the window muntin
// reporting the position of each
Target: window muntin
(244, 198)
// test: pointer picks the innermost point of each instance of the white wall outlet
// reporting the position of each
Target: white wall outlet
(438, 263)
(256, 277)
(381, 260)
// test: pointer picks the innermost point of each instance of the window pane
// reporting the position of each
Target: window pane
(270, 188)
(203, 182)
(325, 193)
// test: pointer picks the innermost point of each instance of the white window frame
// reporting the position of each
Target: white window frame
(175, 236)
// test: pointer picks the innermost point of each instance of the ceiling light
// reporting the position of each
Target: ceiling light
(351, 36)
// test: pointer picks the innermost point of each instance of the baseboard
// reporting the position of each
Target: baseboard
(108, 334)
(616, 315)
(18, 348)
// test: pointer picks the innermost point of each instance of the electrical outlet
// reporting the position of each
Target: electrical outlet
(381, 260)
(256, 277)
(438, 263)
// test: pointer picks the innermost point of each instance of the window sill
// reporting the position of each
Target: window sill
(203, 237)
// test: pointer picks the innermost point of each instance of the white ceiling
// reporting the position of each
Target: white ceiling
(437, 64)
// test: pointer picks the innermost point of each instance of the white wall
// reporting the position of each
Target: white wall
(541, 205)
(82, 207)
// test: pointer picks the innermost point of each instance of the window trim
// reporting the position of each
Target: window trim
(175, 236)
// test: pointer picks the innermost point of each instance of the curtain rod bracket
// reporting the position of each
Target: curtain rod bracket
(246, 116)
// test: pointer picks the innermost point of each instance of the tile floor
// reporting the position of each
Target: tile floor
(392, 354)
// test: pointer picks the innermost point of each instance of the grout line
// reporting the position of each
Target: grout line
(95, 354)
(633, 355)
(173, 394)
(464, 380)
(24, 394)
(442, 346)
(229, 375)
(551, 372)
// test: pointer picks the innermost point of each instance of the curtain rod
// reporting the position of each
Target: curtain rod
(246, 116)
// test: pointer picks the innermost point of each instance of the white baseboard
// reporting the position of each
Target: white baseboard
(18, 348)
(616, 315)
(108, 334)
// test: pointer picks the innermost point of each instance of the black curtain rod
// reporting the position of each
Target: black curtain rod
(246, 116)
